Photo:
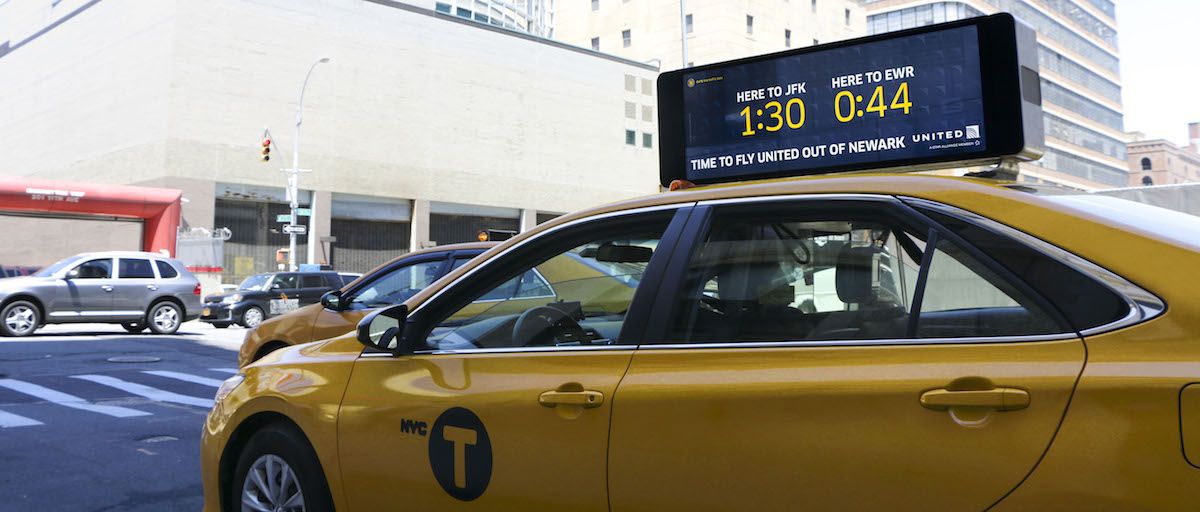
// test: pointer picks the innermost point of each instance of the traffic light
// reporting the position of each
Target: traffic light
(266, 149)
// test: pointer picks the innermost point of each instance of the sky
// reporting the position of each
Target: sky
(1160, 71)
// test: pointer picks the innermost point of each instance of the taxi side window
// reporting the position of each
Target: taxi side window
(284, 282)
(577, 294)
(836, 277)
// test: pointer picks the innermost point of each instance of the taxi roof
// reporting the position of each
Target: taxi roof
(906, 184)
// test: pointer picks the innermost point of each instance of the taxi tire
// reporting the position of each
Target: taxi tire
(244, 323)
(134, 327)
(284, 441)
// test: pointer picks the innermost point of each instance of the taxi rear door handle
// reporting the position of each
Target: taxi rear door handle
(586, 399)
(1002, 399)
(106, 288)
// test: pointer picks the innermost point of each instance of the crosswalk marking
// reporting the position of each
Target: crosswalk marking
(186, 377)
(67, 400)
(146, 391)
(224, 370)
(8, 419)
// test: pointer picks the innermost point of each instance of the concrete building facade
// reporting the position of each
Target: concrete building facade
(424, 127)
(1081, 80)
(716, 30)
(1161, 162)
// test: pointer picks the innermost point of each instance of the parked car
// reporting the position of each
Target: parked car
(134, 289)
(262, 296)
(340, 310)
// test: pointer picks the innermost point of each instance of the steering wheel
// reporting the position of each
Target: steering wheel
(542, 325)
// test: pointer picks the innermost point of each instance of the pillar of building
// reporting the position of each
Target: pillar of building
(319, 227)
(528, 219)
(419, 225)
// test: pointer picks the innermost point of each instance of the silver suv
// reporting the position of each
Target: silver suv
(134, 289)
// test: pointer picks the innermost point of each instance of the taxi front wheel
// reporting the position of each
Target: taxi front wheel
(279, 471)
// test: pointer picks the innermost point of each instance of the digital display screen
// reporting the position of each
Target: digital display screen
(918, 96)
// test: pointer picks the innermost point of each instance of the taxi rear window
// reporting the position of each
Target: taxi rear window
(1085, 302)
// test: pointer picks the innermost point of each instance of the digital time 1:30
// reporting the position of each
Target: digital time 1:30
(845, 107)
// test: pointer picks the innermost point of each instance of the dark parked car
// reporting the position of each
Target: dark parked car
(262, 296)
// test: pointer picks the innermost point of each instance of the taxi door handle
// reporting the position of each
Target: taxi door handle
(1002, 399)
(587, 399)
(106, 288)
(151, 287)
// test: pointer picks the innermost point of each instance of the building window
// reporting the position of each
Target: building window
(626, 38)
(687, 24)
(463, 13)
(631, 137)
(787, 38)
(749, 25)
(647, 140)
(1145, 164)
(630, 83)
(442, 8)
(596, 43)
(630, 110)
(595, 5)
(647, 86)
(647, 113)
(814, 5)
(847, 17)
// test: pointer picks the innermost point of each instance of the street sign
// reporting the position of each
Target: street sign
(304, 212)
(298, 229)
(285, 218)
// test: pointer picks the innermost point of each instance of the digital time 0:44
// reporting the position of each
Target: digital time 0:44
(845, 107)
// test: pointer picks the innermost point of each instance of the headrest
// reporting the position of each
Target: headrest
(853, 277)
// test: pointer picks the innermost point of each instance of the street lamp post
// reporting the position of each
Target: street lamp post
(294, 172)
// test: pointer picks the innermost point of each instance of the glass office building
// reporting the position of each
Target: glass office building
(1081, 84)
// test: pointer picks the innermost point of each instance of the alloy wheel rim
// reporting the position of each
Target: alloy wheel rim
(20, 319)
(253, 317)
(165, 317)
(271, 486)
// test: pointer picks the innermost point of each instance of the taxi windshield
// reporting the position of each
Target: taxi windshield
(255, 283)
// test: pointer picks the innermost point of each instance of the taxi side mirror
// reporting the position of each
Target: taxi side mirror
(73, 274)
(332, 300)
(382, 329)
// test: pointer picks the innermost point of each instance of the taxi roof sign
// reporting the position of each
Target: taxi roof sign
(949, 95)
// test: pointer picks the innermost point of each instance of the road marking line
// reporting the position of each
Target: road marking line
(67, 400)
(187, 377)
(146, 391)
(224, 370)
(8, 419)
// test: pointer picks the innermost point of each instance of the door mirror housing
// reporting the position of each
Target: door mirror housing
(73, 274)
(383, 329)
(332, 300)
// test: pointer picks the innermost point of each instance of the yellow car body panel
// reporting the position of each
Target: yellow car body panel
(543, 458)
(1101, 431)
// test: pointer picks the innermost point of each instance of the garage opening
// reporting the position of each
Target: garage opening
(34, 241)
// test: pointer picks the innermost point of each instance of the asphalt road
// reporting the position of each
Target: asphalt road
(81, 431)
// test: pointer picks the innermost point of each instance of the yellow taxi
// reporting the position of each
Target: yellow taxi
(340, 310)
(854, 342)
